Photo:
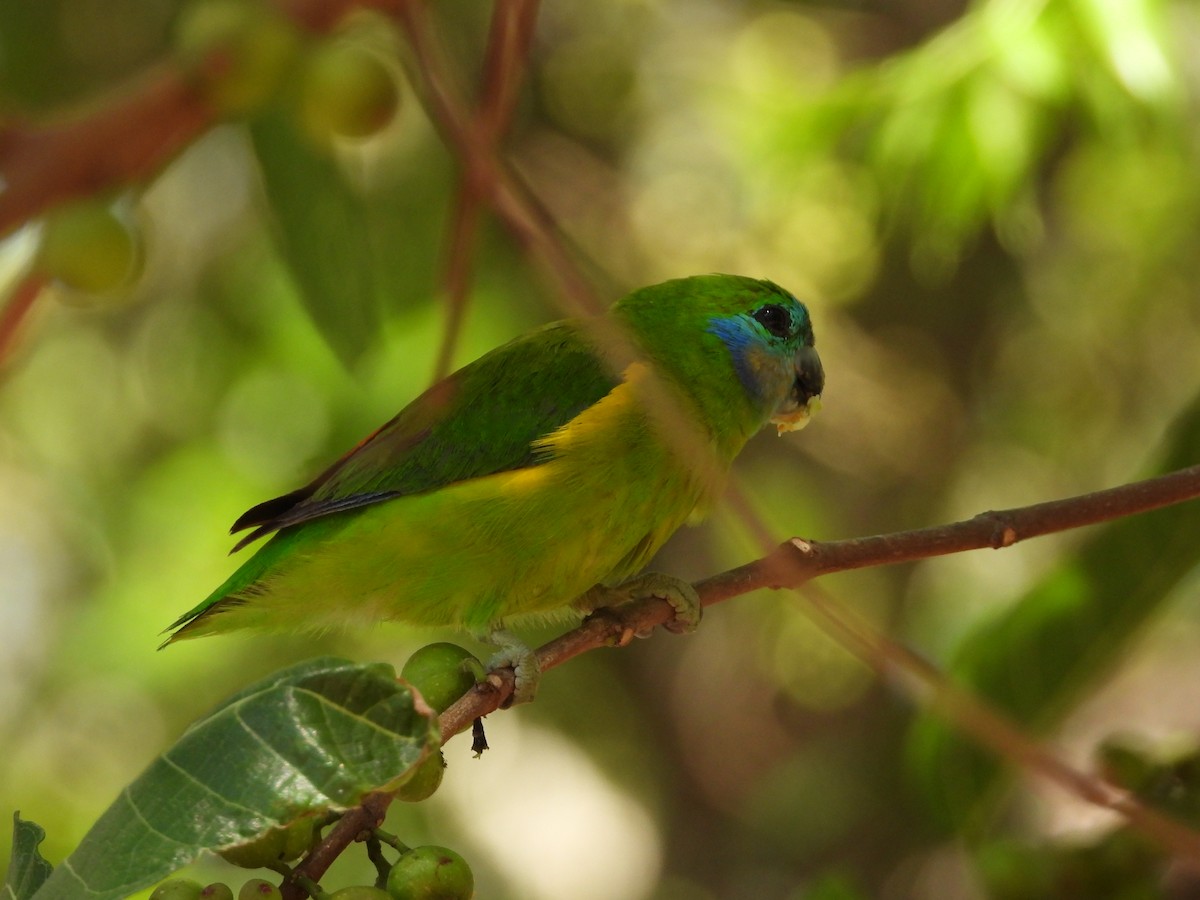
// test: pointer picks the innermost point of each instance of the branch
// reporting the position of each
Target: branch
(504, 67)
(795, 562)
(16, 311)
(525, 218)
(508, 48)
(126, 136)
(129, 139)
(356, 822)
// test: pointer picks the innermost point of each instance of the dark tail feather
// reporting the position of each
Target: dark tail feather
(269, 510)
(299, 512)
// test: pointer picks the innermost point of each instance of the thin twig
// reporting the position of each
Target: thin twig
(508, 46)
(125, 136)
(357, 821)
(969, 714)
(456, 282)
(504, 66)
(524, 217)
(128, 139)
(17, 310)
(797, 561)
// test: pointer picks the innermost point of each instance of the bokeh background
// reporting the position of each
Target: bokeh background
(993, 210)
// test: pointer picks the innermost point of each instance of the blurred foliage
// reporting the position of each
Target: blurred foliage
(1121, 864)
(993, 212)
(1074, 621)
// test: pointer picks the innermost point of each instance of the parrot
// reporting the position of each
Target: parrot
(557, 463)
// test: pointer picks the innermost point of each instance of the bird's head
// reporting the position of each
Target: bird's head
(708, 326)
(769, 336)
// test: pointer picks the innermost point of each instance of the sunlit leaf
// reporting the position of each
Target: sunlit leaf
(314, 737)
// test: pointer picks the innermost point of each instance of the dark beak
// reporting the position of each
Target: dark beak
(810, 376)
(804, 399)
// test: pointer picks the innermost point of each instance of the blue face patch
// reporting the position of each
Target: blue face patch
(761, 338)
(738, 333)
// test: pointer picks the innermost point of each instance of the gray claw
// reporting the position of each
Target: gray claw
(512, 652)
(677, 592)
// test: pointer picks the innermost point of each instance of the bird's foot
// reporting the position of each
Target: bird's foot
(678, 593)
(512, 652)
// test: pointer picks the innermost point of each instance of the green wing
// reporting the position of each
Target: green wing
(481, 420)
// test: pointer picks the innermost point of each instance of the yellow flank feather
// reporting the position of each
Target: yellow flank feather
(473, 551)
(601, 418)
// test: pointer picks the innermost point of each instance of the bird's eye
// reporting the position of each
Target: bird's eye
(776, 319)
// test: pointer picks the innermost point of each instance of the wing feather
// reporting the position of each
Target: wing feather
(483, 419)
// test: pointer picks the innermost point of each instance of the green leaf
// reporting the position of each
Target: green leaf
(27, 870)
(314, 737)
(324, 235)
(1032, 661)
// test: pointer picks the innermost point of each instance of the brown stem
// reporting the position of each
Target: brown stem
(504, 66)
(16, 311)
(795, 562)
(508, 46)
(524, 217)
(456, 282)
(357, 821)
(128, 139)
(124, 137)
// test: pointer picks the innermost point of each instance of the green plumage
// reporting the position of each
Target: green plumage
(563, 459)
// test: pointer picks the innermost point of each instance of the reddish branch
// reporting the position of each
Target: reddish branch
(124, 138)
(12, 317)
(127, 140)
(794, 563)
(355, 825)
(525, 218)
(974, 717)
(797, 561)
(508, 46)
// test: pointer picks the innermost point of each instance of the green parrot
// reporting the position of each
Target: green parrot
(559, 461)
